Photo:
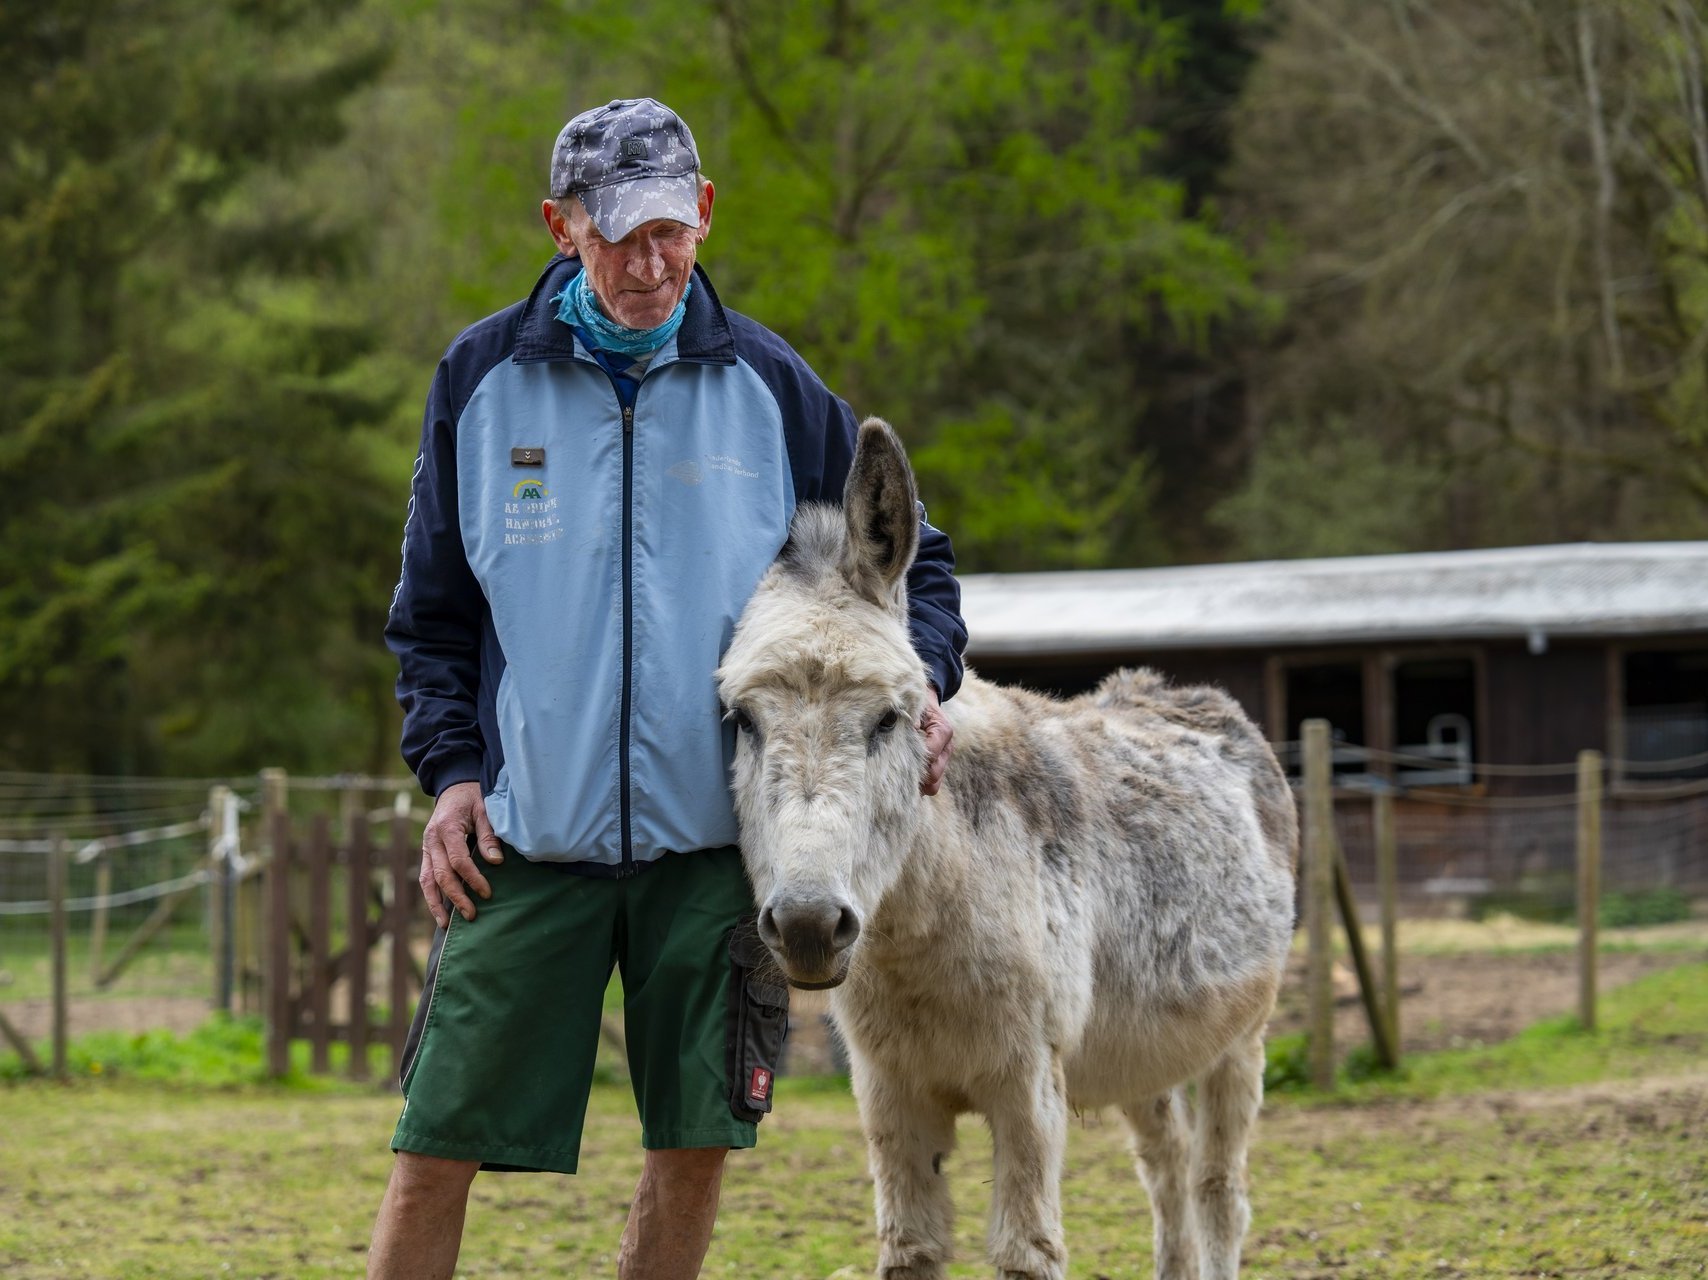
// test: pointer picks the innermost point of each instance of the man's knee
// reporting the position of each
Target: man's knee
(431, 1179)
(686, 1166)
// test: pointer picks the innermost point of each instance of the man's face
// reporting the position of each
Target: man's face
(640, 278)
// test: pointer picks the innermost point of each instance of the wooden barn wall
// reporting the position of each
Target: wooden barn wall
(1533, 708)
(1544, 708)
(1240, 672)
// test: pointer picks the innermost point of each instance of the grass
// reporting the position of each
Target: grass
(119, 1182)
(1429, 1175)
(223, 1053)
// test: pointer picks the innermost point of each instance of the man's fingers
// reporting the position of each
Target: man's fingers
(464, 866)
(447, 881)
(939, 743)
(453, 889)
(936, 765)
(485, 837)
(430, 891)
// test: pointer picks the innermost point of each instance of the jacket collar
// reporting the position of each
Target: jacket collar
(704, 337)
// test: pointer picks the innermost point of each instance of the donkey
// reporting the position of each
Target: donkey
(1094, 910)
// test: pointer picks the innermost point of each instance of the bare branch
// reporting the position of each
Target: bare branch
(1605, 191)
(1396, 80)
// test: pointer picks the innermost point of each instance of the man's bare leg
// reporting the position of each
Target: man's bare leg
(670, 1222)
(420, 1224)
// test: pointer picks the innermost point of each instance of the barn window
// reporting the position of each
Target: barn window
(1435, 707)
(1666, 712)
(1332, 691)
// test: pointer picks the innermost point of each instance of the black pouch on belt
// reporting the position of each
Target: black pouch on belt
(757, 1023)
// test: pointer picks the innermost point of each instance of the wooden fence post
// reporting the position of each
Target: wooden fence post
(58, 864)
(275, 799)
(1387, 1052)
(98, 917)
(1589, 881)
(219, 895)
(356, 943)
(318, 997)
(1319, 898)
(276, 974)
(1387, 891)
(403, 888)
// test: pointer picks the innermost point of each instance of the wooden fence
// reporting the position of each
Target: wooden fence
(325, 911)
(1326, 892)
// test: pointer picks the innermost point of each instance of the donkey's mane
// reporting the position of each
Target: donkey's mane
(817, 538)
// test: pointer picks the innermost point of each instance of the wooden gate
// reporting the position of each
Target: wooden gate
(317, 976)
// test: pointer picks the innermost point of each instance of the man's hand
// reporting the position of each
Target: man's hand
(445, 862)
(939, 743)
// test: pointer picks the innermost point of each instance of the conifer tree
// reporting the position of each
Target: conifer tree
(195, 550)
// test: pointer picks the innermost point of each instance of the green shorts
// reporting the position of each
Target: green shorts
(500, 1055)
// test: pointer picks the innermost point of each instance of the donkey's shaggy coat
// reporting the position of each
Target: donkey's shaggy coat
(1095, 909)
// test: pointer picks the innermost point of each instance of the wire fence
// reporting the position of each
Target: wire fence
(139, 858)
(1473, 830)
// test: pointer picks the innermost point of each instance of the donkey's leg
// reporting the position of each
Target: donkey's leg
(1028, 1129)
(1229, 1096)
(908, 1137)
(1161, 1148)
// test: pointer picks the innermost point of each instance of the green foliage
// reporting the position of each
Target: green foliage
(1618, 910)
(223, 1053)
(1335, 490)
(1557, 905)
(966, 223)
(1642, 907)
(238, 235)
(1493, 220)
(1286, 1064)
(193, 528)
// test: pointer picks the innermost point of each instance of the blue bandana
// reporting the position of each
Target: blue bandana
(578, 307)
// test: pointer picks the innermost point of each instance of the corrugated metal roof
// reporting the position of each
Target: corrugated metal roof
(1582, 589)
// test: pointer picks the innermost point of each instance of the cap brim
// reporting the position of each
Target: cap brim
(621, 207)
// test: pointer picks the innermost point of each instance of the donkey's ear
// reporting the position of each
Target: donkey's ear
(882, 509)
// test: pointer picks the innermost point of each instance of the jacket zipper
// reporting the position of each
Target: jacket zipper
(628, 863)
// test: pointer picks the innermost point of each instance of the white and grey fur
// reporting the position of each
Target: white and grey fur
(1095, 910)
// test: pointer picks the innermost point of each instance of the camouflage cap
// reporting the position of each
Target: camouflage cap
(630, 161)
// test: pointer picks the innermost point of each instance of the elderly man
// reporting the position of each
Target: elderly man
(606, 470)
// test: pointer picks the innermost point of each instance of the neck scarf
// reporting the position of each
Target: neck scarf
(578, 307)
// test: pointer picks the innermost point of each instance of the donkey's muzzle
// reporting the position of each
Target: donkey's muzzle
(809, 936)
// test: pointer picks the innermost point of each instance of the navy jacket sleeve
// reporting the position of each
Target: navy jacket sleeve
(436, 614)
(821, 433)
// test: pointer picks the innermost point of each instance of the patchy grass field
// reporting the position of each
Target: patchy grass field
(1466, 1169)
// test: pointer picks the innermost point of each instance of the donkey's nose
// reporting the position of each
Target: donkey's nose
(809, 933)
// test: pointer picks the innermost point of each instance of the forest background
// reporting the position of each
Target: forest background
(1139, 281)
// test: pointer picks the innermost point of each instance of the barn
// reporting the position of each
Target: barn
(1465, 682)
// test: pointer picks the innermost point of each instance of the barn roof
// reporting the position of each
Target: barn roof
(1581, 589)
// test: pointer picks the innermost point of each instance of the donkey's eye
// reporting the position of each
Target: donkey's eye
(885, 723)
(742, 721)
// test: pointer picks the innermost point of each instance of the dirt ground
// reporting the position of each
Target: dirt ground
(1453, 1001)
(178, 1014)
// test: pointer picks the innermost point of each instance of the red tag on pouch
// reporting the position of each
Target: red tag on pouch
(759, 1086)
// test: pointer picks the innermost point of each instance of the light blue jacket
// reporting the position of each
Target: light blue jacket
(573, 570)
